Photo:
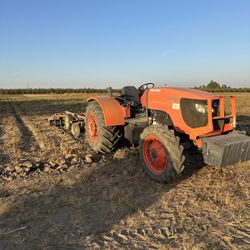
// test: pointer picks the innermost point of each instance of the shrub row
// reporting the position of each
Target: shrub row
(93, 90)
(54, 91)
(226, 89)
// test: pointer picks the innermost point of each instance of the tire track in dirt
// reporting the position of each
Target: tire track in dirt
(56, 140)
(35, 125)
(37, 147)
(53, 142)
(4, 157)
(136, 238)
(10, 152)
(19, 146)
(27, 142)
(57, 147)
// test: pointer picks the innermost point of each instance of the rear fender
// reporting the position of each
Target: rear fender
(112, 111)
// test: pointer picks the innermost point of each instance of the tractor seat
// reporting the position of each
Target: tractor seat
(131, 93)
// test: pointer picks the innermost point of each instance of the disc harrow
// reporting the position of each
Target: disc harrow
(72, 123)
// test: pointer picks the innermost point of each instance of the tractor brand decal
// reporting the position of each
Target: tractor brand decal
(173, 99)
(176, 106)
(155, 90)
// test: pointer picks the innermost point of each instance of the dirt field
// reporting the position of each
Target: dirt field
(55, 193)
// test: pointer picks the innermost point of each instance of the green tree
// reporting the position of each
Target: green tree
(213, 85)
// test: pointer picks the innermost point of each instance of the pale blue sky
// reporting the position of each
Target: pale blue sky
(99, 43)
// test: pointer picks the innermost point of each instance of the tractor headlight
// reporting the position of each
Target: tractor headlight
(201, 108)
(194, 112)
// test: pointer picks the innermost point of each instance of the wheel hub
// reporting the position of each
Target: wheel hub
(155, 155)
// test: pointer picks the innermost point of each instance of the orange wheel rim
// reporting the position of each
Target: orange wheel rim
(92, 127)
(154, 154)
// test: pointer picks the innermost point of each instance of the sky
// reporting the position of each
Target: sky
(100, 43)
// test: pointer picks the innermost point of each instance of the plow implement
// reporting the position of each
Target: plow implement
(69, 121)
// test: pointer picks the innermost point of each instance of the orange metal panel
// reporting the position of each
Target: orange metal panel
(222, 106)
(233, 108)
(112, 110)
(227, 127)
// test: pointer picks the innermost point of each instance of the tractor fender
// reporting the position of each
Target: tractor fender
(112, 110)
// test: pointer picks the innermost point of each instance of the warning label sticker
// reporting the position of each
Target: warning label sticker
(176, 106)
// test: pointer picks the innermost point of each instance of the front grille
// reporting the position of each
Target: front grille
(190, 115)
(218, 124)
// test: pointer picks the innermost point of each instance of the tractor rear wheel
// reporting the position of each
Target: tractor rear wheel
(101, 138)
(161, 153)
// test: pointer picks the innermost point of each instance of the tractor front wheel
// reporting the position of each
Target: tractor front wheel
(161, 153)
(101, 138)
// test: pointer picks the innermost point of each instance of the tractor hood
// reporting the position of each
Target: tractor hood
(193, 112)
(180, 93)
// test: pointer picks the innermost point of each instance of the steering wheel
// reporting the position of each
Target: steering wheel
(145, 86)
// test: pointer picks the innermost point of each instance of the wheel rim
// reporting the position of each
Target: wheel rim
(92, 127)
(154, 154)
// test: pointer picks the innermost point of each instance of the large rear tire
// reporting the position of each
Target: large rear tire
(101, 138)
(161, 153)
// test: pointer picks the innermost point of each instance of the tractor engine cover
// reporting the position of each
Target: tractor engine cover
(223, 150)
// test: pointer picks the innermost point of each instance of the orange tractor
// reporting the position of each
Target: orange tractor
(161, 121)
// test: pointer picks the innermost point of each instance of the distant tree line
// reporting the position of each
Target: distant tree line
(213, 86)
(54, 91)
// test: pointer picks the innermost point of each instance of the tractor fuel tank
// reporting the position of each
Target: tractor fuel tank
(134, 127)
(223, 150)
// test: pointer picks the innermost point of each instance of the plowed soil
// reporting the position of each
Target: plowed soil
(55, 193)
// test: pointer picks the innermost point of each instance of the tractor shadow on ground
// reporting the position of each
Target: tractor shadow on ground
(4, 158)
(26, 139)
(193, 163)
(105, 196)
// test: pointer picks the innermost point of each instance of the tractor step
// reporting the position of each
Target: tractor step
(223, 150)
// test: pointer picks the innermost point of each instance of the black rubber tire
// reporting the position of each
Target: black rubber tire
(171, 143)
(108, 137)
(68, 122)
